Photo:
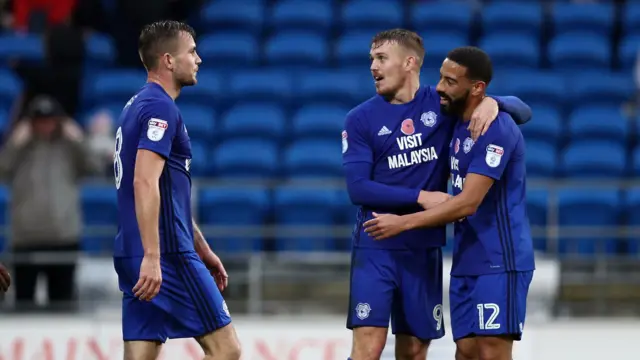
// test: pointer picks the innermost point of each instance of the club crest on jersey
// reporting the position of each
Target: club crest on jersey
(345, 143)
(494, 155)
(363, 310)
(456, 146)
(407, 127)
(429, 118)
(467, 145)
(156, 129)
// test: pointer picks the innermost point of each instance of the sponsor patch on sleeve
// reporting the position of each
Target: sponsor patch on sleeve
(156, 129)
(494, 155)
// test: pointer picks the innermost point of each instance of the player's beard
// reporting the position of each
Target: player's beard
(455, 106)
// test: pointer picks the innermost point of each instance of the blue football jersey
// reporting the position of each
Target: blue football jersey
(151, 121)
(407, 145)
(497, 238)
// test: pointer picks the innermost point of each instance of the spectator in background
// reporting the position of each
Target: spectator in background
(43, 161)
(35, 15)
(101, 138)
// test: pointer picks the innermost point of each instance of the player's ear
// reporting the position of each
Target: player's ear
(168, 61)
(478, 88)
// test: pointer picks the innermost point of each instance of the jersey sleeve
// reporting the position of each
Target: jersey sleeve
(355, 147)
(159, 123)
(512, 105)
(494, 149)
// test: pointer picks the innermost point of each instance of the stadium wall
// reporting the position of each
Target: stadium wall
(324, 338)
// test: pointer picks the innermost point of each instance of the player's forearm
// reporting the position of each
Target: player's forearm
(147, 204)
(199, 243)
(518, 109)
(449, 211)
(365, 192)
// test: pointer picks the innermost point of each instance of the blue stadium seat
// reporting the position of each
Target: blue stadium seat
(200, 121)
(631, 19)
(595, 18)
(297, 48)
(100, 50)
(27, 48)
(541, 159)
(346, 214)
(546, 126)
(4, 121)
(249, 159)
(313, 15)
(330, 86)
(199, 158)
(319, 121)
(10, 87)
(512, 51)
(438, 46)
(235, 209)
(208, 90)
(116, 86)
(636, 161)
(446, 16)
(353, 48)
(537, 88)
(632, 212)
(537, 204)
(233, 14)
(99, 209)
(311, 211)
(257, 120)
(601, 88)
(628, 50)
(313, 159)
(260, 85)
(593, 122)
(513, 18)
(588, 208)
(5, 196)
(580, 51)
(597, 159)
(374, 15)
(229, 49)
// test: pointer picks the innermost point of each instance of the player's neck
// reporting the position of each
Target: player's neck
(471, 107)
(168, 85)
(407, 93)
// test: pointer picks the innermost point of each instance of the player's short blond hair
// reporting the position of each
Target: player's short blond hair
(403, 37)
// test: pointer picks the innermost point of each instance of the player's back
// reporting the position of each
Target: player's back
(152, 121)
(497, 238)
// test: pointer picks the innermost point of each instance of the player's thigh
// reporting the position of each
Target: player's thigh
(141, 350)
(190, 296)
(495, 347)
(368, 342)
(372, 286)
(222, 342)
(417, 310)
(410, 347)
(466, 349)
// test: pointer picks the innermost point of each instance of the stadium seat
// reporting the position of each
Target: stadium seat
(28, 48)
(229, 49)
(115, 86)
(10, 87)
(438, 46)
(245, 15)
(200, 121)
(306, 15)
(4, 121)
(577, 52)
(236, 210)
(260, 85)
(541, 159)
(245, 159)
(253, 120)
(453, 17)
(546, 126)
(313, 159)
(593, 122)
(632, 212)
(537, 204)
(597, 19)
(585, 209)
(373, 15)
(631, 19)
(353, 48)
(636, 162)
(319, 121)
(596, 159)
(628, 50)
(308, 214)
(209, 90)
(536, 88)
(345, 215)
(510, 51)
(513, 18)
(100, 211)
(100, 50)
(602, 88)
(199, 158)
(297, 48)
(335, 86)
(5, 196)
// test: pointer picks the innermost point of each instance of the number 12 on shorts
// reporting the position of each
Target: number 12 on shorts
(493, 310)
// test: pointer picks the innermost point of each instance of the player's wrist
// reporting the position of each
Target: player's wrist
(152, 253)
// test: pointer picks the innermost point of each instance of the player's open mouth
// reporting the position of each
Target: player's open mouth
(378, 78)
(443, 100)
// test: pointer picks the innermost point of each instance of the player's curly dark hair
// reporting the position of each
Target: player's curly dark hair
(156, 39)
(403, 37)
(477, 62)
